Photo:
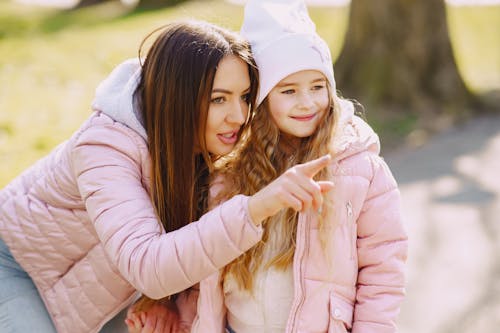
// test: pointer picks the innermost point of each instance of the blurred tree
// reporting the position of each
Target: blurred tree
(398, 57)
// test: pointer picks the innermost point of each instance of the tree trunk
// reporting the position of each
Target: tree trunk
(398, 57)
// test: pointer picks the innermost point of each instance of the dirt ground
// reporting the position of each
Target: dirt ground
(451, 206)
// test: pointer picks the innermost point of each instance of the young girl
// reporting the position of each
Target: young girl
(334, 269)
(108, 211)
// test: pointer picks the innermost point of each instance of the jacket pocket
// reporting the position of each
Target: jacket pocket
(341, 313)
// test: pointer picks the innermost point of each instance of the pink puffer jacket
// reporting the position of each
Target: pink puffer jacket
(81, 223)
(357, 284)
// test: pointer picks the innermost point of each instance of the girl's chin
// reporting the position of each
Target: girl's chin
(299, 135)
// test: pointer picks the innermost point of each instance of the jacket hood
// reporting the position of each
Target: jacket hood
(115, 96)
(354, 134)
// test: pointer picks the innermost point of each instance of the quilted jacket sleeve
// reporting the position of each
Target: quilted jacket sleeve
(107, 165)
(382, 250)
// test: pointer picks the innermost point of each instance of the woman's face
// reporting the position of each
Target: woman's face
(228, 109)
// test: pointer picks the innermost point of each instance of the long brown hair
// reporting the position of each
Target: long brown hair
(174, 94)
(257, 162)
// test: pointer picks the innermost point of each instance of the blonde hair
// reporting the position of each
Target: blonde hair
(255, 163)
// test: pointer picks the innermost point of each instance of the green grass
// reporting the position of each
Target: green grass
(51, 62)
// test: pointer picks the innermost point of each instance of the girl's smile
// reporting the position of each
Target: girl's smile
(304, 118)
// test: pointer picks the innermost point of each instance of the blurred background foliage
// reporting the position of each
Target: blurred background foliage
(51, 61)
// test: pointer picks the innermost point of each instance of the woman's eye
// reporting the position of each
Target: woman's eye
(246, 98)
(218, 100)
(288, 92)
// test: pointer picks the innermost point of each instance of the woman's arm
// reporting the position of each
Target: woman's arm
(108, 164)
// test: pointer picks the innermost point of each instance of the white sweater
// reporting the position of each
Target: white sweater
(266, 308)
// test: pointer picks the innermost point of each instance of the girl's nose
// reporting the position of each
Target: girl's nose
(306, 100)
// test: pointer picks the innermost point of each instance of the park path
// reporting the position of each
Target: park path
(451, 202)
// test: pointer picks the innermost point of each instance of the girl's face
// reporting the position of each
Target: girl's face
(298, 102)
(228, 108)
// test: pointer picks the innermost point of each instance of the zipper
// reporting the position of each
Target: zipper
(350, 223)
(294, 313)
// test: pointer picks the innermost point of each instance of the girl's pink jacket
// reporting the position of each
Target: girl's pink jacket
(81, 223)
(357, 283)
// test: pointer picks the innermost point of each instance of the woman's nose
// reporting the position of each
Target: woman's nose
(238, 113)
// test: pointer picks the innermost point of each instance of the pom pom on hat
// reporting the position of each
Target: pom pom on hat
(284, 41)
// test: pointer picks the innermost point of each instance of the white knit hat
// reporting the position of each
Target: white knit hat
(284, 41)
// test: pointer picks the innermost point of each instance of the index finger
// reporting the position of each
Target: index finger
(313, 167)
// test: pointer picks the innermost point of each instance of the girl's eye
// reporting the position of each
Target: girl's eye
(288, 92)
(318, 87)
(218, 100)
(246, 98)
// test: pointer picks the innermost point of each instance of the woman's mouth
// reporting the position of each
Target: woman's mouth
(228, 138)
